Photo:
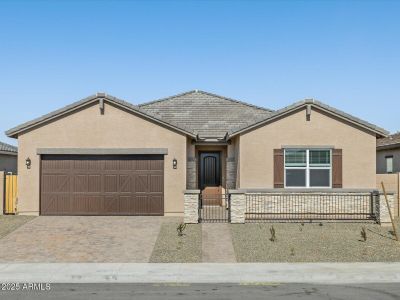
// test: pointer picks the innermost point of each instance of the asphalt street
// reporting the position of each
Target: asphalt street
(280, 291)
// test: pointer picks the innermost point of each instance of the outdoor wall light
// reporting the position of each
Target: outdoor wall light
(174, 163)
(28, 163)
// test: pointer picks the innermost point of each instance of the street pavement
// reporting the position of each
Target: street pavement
(265, 291)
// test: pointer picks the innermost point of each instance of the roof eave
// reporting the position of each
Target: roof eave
(14, 132)
(303, 104)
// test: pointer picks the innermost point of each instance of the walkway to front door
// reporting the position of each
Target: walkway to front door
(217, 244)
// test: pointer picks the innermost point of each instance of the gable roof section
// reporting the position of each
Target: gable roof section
(392, 141)
(313, 103)
(206, 114)
(87, 101)
(8, 149)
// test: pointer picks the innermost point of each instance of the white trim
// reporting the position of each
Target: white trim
(307, 168)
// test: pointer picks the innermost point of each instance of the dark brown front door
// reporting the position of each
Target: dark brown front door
(210, 170)
(102, 185)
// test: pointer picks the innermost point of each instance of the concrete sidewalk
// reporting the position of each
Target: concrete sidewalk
(319, 273)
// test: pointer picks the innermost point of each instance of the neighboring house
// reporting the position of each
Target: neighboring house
(105, 156)
(8, 158)
(388, 154)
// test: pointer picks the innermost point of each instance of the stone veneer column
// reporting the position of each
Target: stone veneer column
(191, 173)
(238, 207)
(191, 206)
(230, 173)
(384, 217)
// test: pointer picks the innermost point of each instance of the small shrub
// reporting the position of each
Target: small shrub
(273, 234)
(181, 228)
(292, 251)
(320, 224)
(363, 234)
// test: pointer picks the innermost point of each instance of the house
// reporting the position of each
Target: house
(388, 154)
(8, 158)
(104, 156)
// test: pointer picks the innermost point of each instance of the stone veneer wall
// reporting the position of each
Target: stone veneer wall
(230, 173)
(238, 207)
(383, 212)
(191, 180)
(191, 206)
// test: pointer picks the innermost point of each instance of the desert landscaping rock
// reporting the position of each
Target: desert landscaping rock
(331, 242)
(171, 248)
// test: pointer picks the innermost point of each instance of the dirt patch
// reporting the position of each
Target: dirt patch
(9, 223)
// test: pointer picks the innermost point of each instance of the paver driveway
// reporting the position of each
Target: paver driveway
(83, 239)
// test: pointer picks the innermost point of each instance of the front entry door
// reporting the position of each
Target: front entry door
(210, 169)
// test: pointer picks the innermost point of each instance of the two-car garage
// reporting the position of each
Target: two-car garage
(102, 185)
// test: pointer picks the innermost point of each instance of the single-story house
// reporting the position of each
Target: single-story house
(105, 156)
(8, 158)
(388, 154)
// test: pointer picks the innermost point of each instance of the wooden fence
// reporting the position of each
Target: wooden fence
(10, 194)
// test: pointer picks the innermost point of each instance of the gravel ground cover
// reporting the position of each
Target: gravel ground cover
(331, 242)
(10, 223)
(171, 248)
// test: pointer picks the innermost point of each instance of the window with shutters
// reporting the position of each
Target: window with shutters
(308, 168)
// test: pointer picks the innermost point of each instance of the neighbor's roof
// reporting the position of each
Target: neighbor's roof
(8, 149)
(200, 114)
(390, 141)
(206, 114)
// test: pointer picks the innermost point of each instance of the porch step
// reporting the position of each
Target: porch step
(217, 244)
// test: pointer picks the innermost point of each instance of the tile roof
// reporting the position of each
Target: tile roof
(8, 148)
(206, 114)
(198, 113)
(391, 140)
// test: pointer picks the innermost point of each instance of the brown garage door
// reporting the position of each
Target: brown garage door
(102, 185)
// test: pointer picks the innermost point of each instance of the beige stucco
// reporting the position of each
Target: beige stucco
(1, 192)
(256, 148)
(88, 128)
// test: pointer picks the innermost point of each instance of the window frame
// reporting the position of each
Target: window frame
(386, 165)
(307, 168)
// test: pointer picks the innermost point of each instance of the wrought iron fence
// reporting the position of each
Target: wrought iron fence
(311, 206)
(214, 208)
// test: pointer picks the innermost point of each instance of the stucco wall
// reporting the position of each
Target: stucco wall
(1, 192)
(8, 163)
(381, 161)
(89, 129)
(256, 148)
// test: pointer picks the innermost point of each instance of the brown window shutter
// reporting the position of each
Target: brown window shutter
(279, 168)
(337, 168)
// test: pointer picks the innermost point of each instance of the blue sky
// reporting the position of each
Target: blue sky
(269, 53)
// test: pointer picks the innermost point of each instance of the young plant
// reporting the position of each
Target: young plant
(181, 228)
(273, 234)
(292, 251)
(363, 234)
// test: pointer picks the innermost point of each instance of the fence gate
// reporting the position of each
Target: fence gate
(214, 208)
(10, 199)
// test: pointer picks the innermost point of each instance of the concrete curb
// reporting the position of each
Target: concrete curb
(321, 273)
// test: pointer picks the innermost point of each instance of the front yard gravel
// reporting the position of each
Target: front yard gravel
(10, 223)
(171, 248)
(331, 242)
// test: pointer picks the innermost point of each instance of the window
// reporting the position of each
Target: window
(389, 164)
(308, 168)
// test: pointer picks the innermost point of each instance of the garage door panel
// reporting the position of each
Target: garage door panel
(111, 183)
(81, 183)
(141, 183)
(102, 185)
